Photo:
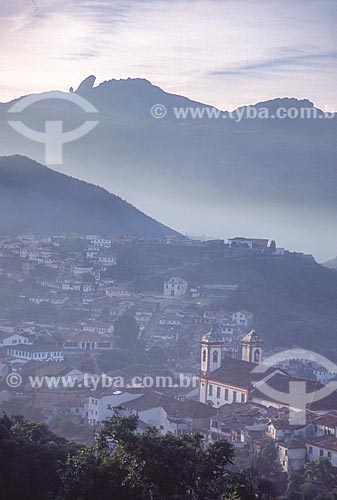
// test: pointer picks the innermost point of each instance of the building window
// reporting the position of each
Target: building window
(321, 453)
(218, 392)
(310, 450)
(329, 455)
(210, 390)
(234, 396)
(215, 356)
(243, 398)
(204, 354)
(226, 394)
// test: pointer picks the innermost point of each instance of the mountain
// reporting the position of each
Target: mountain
(36, 199)
(271, 178)
(331, 264)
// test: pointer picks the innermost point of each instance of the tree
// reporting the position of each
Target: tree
(35, 464)
(29, 458)
(148, 466)
(157, 355)
(115, 360)
(266, 461)
(272, 246)
(295, 485)
(250, 486)
(321, 476)
(126, 332)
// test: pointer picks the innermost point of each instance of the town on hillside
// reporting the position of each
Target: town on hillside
(89, 323)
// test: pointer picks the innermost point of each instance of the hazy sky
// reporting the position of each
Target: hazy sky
(223, 52)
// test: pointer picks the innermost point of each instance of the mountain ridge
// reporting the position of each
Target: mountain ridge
(37, 198)
(261, 176)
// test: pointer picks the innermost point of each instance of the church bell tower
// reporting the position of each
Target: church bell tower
(252, 348)
(211, 350)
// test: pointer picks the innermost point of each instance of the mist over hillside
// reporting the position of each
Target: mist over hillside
(34, 198)
(266, 177)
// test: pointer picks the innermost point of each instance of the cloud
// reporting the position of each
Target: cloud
(292, 62)
(264, 48)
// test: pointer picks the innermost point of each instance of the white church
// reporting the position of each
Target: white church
(228, 380)
(224, 380)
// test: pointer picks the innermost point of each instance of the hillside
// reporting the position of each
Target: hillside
(35, 199)
(294, 299)
(248, 176)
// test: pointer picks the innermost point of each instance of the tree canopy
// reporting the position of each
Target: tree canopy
(123, 464)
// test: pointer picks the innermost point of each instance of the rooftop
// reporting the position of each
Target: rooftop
(238, 373)
(326, 442)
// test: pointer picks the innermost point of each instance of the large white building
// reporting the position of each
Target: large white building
(35, 353)
(154, 409)
(175, 287)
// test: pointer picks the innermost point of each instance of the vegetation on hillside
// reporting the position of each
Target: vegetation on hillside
(39, 200)
(35, 464)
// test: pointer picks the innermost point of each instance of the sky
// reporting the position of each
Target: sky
(226, 53)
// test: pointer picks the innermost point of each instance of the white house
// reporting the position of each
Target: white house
(14, 339)
(175, 287)
(170, 320)
(39, 300)
(35, 353)
(98, 327)
(107, 260)
(87, 341)
(98, 241)
(279, 429)
(326, 425)
(324, 446)
(118, 291)
(168, 414)
(243, 319)
(101, 407)
(81, 270)
(292, 456)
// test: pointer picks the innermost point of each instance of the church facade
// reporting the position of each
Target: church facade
(224, 381)
(228, 380)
